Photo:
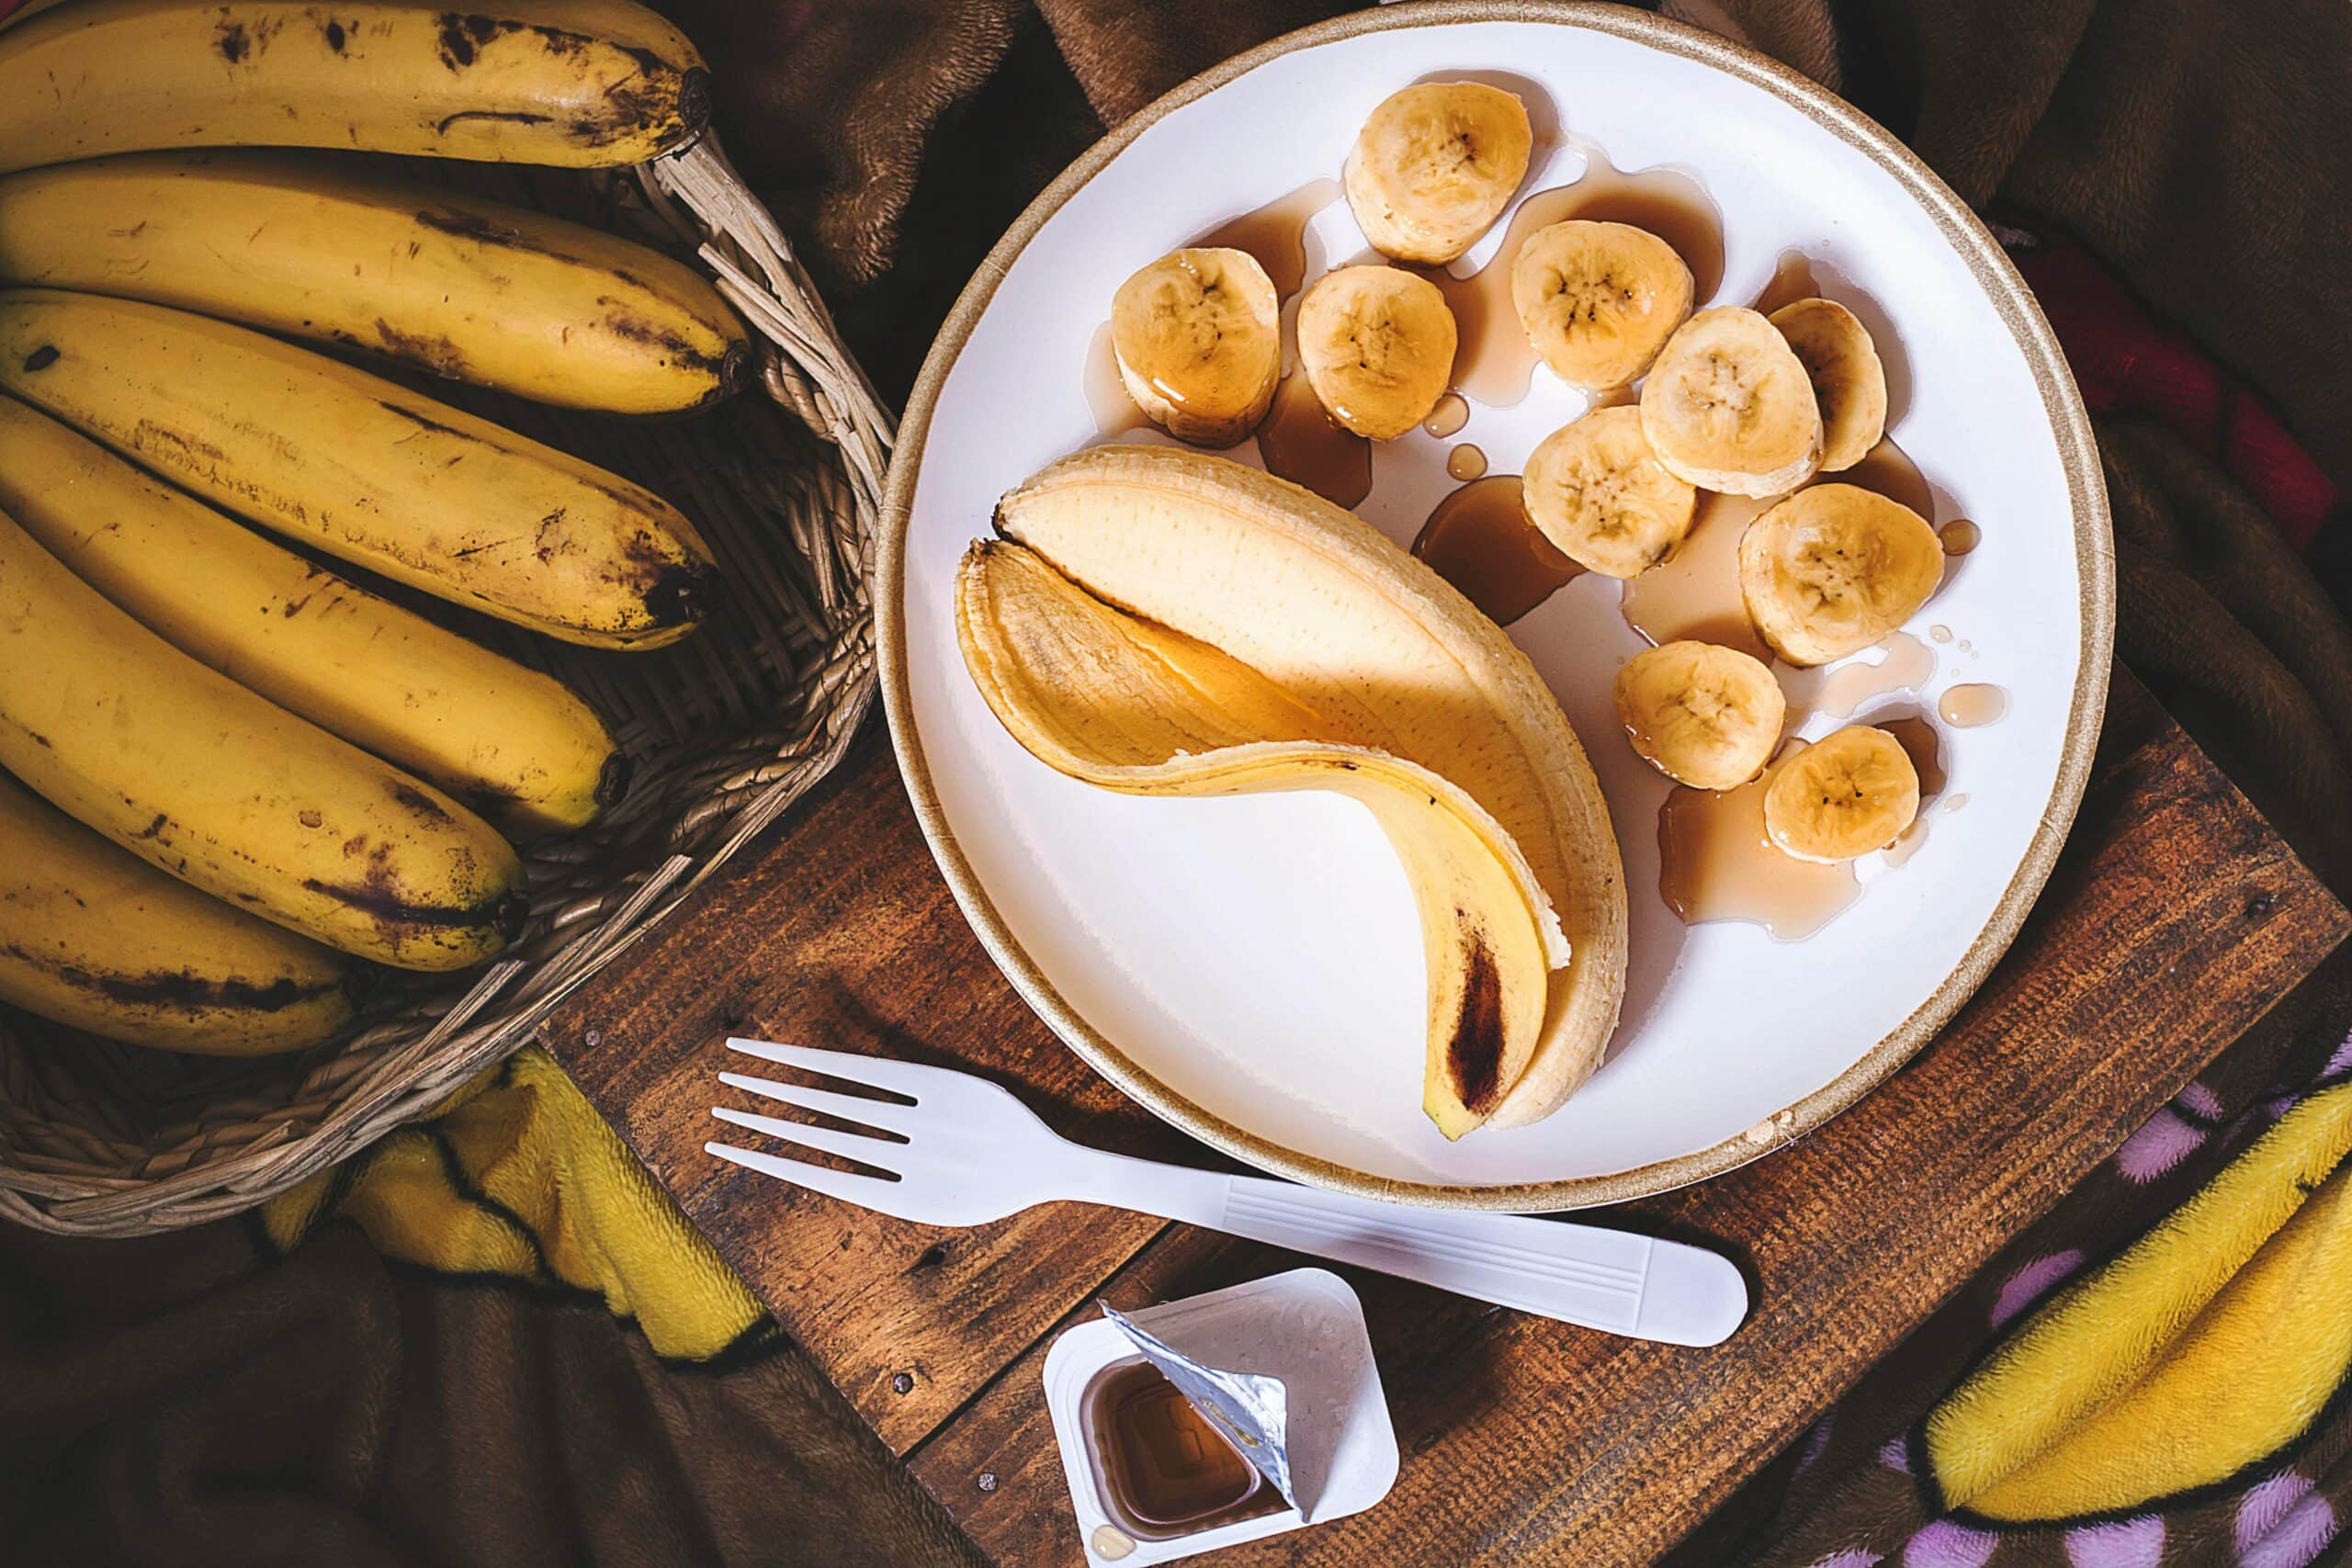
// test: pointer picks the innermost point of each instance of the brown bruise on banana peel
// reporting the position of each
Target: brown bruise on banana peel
(658, 96)
(179, 991)
(1474, 1055)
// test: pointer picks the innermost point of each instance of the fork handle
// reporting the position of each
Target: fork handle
(1614, 1281)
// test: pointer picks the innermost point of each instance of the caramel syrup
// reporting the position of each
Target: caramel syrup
(1493, 361)
(1299, 443)
(1888, 469)
(1450, 415)
(1715, 863)
(1939, 634)
(1167, 1471)
(1840, 692)
(1966, 708)
(1466, 462)
(1924, 745)
(1276, 233)
(1792, 280)
(1115, 413)
(1960, 536)
(1694, 592)
(1478, 539)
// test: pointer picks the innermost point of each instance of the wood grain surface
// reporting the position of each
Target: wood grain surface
(2176, 917)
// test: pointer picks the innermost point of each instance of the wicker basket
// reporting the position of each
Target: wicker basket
(726, 730)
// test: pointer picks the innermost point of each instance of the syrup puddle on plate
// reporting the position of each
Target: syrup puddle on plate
(1960, 536)
(1924, 745)
(1299, 443)
(1840, 691)
(1465, 463)
(1493, 362)
(1715, 863)
(1453, 412)
(1479, 540)
(1276, 233)
(1694, 592)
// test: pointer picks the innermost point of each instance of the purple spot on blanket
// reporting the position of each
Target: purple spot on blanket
(1947, 1545)
(2127, 1543)
(2025, 1286)
(2291, 1536)
(2275, 1108)
(2265, 1503)
(2163, 1141)
(2202, 1101)
(1896, 1455)
(1815, 1442)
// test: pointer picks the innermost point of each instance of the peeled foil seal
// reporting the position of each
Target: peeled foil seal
(1248, 1407)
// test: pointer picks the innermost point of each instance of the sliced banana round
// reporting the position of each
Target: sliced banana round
(1434, 167)
(1198, 337)
(1598, 300)
(1729, 407)
(1377, 345)
(1844, 795)
(1834, 569)
(1703, 716)
(1849, 382)
(1597, 492)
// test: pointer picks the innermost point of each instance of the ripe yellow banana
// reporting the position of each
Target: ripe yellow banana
(95, 938)
(1198, 338)
(473, 289)
(1600, 494)
(1844, 795)
(508, 740)
(362, 467)
(1434, 167)
(1387, 658)
(1834, 569)
(1728, 406)
(579, 83)
(228, 792)
(1377, 345)
(1848, 380)
(1703, 716)
(1103, 696)
(1598, 300)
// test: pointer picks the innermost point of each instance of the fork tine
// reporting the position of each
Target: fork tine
(864, 1190)
(900, 1077)
(885, 1114)
(849, 1145)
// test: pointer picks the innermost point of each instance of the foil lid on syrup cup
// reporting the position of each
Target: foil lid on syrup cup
(1220, 1418)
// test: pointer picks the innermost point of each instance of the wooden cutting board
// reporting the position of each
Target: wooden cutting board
(2175, 919)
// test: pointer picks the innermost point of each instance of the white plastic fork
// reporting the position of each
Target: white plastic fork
(966, 1152)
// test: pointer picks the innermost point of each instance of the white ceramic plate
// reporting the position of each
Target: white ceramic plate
(1251, 968)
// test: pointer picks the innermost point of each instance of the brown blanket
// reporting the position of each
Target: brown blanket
(194, 1398)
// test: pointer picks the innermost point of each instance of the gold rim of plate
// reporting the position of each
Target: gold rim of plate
(2094, 552)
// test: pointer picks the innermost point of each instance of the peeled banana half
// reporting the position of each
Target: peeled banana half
(1849, 381)
(226, 791)
(95, 938)
(1165, 621)
(1198, 338)
(363, 468)
(1598, 300)
(1376, 343)
(1703, 716)
(1434, 167)
(454, 285)
(1600, 494)
(1728, 406)
(1833, 569)
(576, 84)
(511, 742)
(1844, 795)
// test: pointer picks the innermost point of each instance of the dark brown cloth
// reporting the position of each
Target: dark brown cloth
(188, 1399)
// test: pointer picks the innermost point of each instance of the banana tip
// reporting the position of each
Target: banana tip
(613, 779)
(683, 594)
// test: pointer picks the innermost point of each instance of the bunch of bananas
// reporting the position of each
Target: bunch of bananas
(232, 769)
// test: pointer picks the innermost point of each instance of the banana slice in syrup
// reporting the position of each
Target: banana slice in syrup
(1377, 345)
(1844, 795)
(1434, 167)
(1849, 381)
(1728, 406)
(1598, 300)
(1198, 338)
(1598, 493)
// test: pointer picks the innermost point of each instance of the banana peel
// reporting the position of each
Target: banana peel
(1164, 622)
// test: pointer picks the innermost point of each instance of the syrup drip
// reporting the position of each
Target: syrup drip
(1493, 362)
(1115, 413)
(1791, 281)
(1276, 233)
(1299, 443)
(1960, 536)
(1967, 708)
(1888, 469)
(1479, 540)
(1924, 744)
(1843, 690)
(1715, 863)
(1466, 462)
(1450, 415)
